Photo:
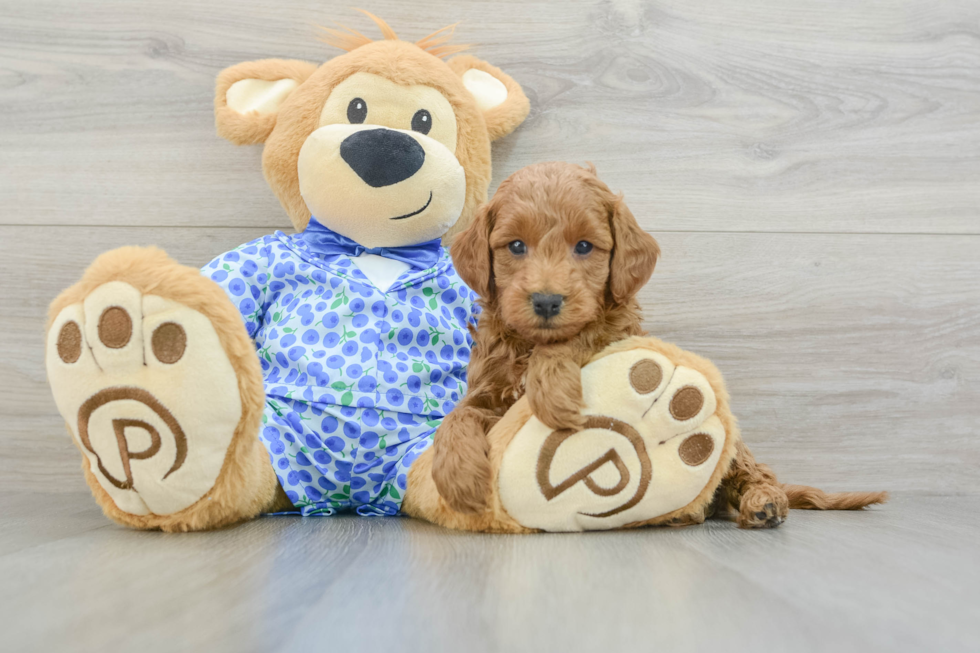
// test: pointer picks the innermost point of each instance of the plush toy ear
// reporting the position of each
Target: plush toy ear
(634, 255)
(471, 253)
(499, 97)
(247, 97)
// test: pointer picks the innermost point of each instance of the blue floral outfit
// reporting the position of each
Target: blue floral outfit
(357, 378)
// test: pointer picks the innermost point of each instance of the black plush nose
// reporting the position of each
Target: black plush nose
(546, 305)
(382, 157)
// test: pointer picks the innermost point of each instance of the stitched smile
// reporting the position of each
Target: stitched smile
(408, 215)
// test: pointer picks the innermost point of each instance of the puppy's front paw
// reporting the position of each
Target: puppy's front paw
(556, 411)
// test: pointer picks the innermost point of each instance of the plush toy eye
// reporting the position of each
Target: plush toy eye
(583, 247)
(422, 121)
(356, 111)
(517, 247)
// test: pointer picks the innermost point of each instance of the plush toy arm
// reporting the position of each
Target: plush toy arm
(554, 386)
(243, 273)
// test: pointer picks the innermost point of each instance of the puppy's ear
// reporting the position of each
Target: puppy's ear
(497, 95)
(248, 95)
(634, 254)
(471, 253)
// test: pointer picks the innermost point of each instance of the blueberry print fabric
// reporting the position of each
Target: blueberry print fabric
(357, 379)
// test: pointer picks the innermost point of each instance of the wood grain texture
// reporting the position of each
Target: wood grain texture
(811, 171)
(853, 360)
(898, 578)
(826, 116)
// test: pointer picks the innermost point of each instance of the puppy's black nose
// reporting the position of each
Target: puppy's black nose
(382, 157)
(546, 305)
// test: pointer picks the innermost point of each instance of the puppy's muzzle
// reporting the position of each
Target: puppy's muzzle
(382, 157)
(546, 305)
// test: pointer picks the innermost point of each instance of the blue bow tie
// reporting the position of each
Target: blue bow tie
(329, 243)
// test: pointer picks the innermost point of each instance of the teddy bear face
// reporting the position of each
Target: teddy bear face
(387, 144)
(390, 152)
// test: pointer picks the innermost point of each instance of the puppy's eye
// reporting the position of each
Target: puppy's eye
(356, 111)
(583, 247)
(422, 121)
(517, 248)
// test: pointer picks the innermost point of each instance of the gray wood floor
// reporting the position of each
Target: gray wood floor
(812, 171)
(901, 578)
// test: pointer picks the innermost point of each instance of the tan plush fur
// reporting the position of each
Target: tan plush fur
(349, 39)
(247, 484)
(398, 61)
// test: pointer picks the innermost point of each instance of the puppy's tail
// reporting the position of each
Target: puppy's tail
(805, 497)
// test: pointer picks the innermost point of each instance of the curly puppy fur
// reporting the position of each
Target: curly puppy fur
(548, 210)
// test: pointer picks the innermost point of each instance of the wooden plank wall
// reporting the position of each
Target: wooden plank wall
(812, 171)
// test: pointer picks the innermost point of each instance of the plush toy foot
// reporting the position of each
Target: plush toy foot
(657, 441)
(145, 360)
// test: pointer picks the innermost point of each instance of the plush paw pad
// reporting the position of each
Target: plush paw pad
(650, 446)
(147, 392)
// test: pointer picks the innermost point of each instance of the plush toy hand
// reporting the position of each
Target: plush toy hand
(461, 466)
(554, 387)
